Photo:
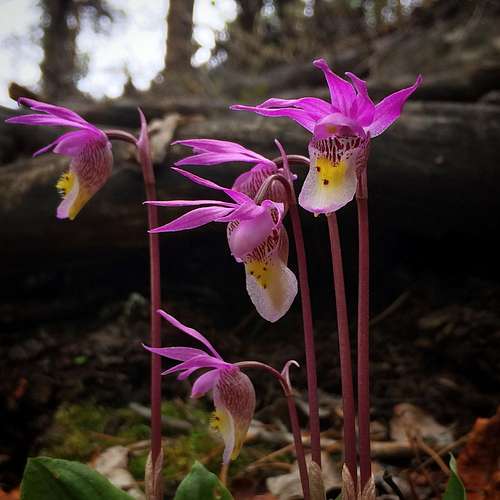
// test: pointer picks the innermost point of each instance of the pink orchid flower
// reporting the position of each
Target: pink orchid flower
(215, 152)
(89, 150)
(233, 392)
(256, 237)
(341, 130)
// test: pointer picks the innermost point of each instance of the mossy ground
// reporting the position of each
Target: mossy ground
(82, 431)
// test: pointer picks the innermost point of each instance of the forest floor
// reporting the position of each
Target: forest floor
(66, 389)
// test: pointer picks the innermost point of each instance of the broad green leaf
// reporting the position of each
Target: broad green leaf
(54, 479)
(201, 484)
(455, 489)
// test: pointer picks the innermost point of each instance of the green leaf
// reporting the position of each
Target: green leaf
(455, 489)
(54, 479)
(201, 484)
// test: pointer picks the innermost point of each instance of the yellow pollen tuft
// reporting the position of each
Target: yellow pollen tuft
(330, 174)
(65, 183)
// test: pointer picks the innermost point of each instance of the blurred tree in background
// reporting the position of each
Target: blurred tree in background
(265, 32)
(62, 66)
(179, 38)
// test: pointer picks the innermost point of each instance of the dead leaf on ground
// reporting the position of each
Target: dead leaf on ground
(288, 487)
(410, 421)
(11, 495)
(112, 463)
(479, 462)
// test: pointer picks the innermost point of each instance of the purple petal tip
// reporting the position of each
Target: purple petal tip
(320, 63)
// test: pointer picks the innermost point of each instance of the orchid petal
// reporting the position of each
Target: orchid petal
(176, 353)
(223, 422)
(245, 211)
(89, 170)
(272, 287)
(51, 109)
(190, 331)
(234, 399)
(71, 143)
(341, 92)
(49, 147)
(235, 195)
(389, 109)
(212, 151)
(365, 109)
(211, 145)
(283, 245)
(332, 178)
(189, 203)
(337, 124)
(315, 107)
(195, 218)
(250, 233)
(216, 158)
(184, 374)
(300, 116)
(52, 121)
(203, 361)
(204, 383)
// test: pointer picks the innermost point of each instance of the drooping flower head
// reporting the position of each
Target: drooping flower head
(341, 132)
(233, 392)
(88, 147)
(256, 237)
(215, 152)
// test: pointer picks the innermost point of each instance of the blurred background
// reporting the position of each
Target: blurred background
(74, 300)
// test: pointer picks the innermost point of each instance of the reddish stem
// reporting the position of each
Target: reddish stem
(344, 349)
(144, 153)
(305, 296)
(154, 262)
(312, 382)
(363, 333)
(294, 421)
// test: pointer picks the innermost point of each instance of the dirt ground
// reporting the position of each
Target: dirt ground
(434, 345)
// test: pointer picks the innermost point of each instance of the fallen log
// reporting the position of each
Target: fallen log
(434, 196)
(432, 174)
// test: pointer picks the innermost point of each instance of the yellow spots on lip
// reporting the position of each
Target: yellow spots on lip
(68, 186)
(260, 271)
(216, 420)
(65, 183)
(330, 174)
(222, 422)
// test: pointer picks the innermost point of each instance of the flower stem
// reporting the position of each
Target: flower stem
(363, 333)
(294, 420)
(312, 382)
(344, 349)
(144, 154)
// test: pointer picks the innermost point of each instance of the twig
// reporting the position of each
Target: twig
(284, 466)
(445, 450)
(425, 447)
(391, 309)
(390, 481)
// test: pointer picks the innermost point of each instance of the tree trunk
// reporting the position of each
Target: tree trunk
(59, 66)
(249, 11)
(179, 37)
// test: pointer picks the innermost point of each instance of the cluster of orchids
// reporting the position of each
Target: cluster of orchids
(257, 205)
